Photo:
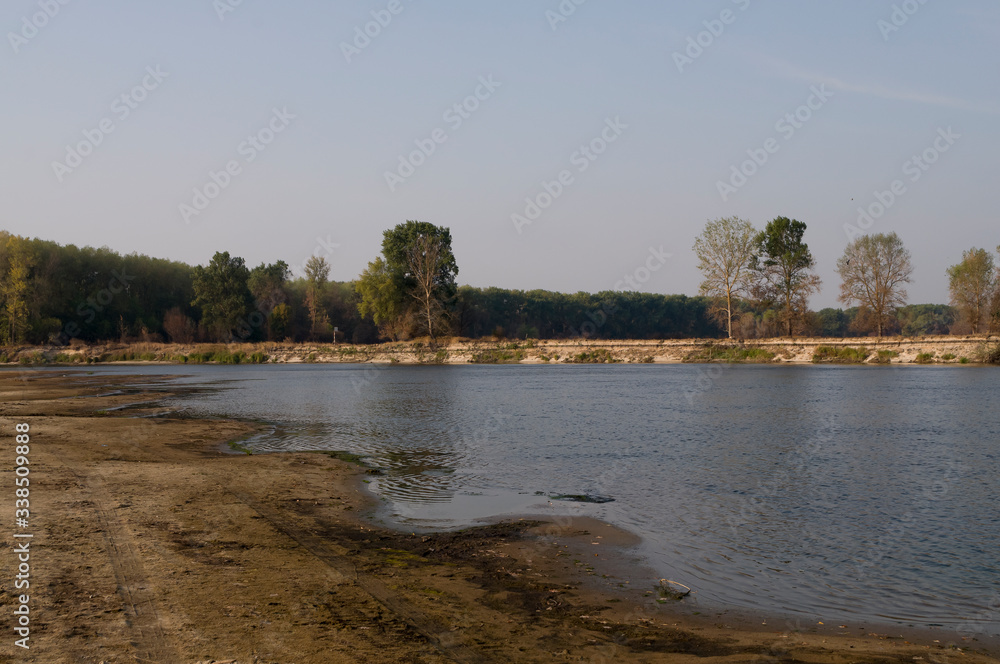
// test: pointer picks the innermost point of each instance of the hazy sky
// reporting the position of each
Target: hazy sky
(309, 115)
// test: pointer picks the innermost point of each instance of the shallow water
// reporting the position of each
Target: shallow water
(840, 493)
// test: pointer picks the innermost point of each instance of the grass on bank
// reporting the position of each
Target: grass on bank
(840, 355)
(885, 356)
(596, 356)
(988, 353)
(731, 355)
(497, 356)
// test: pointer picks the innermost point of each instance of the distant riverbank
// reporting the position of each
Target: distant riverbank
(890, 350)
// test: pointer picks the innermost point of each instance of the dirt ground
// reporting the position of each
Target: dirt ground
(152, 543)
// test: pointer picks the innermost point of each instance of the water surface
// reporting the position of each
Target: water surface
(838, 493)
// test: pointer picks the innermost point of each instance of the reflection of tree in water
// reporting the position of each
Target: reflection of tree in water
(414, 436)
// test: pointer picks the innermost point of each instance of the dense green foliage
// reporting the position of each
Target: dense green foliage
(94, 294)
(840, 355)
(731, 355)
(538, 314)
(410, 289)
(57, 294)
(783, 265)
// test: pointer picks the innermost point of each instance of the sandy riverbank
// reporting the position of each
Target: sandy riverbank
(152, 543)
(889, 350)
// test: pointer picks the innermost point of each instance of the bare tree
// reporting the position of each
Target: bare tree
(995, 302)
(724, 251)
(874, 269)
(424, 256)
(973, 284)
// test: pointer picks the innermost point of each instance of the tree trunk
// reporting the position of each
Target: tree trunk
(729, 311)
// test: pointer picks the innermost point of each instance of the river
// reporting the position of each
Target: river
(818, 492)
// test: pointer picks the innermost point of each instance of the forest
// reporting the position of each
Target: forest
(55, 294)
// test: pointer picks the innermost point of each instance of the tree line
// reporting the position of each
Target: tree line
(757, 284)
(761, 281)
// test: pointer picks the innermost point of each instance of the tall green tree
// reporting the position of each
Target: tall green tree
(222, 293)
(783, 267)
(415, 277)
(874, 271)
(381, 298)
(317, 275)
(725, 249)
(267, 286)
(16, 286)
(972, 284)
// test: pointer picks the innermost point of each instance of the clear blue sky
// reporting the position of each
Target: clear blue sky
(324, 174)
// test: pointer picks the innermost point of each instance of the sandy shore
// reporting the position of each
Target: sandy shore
(942, 350)
(152, 543)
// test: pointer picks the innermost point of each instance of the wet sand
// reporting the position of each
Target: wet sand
(153, 543)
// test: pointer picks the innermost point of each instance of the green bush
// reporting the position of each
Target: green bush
(497, 356)
(924, 358)
(596, 356)
(840, 355)
(988, 353)
(886, 356)
(34, 358)
(963, 360)
(948, 357)
(731, 354)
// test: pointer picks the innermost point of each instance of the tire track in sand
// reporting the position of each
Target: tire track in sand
(443, 640)
(148, 637)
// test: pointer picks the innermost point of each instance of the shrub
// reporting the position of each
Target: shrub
(886, 356)
(731, 354)
(34, 358)
(596, 356)
(924, 358)
(988, 353)
(948, 357)
(963, 360)
(840, 355)
(497, 356)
